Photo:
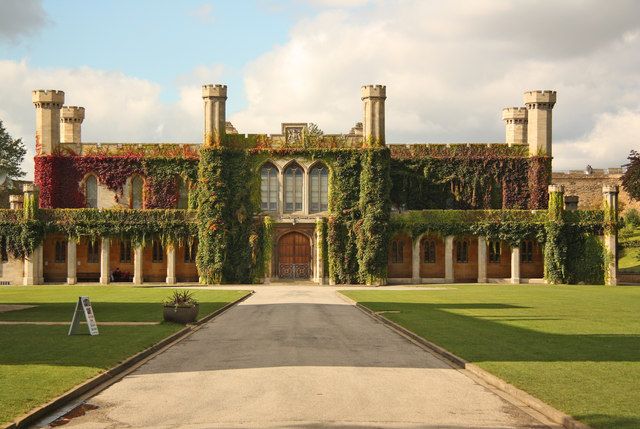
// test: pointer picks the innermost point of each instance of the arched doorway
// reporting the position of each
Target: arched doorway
(294, 256)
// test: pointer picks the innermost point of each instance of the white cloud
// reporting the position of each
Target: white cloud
(451, 66)
(607, 145)
(20, 17)
(119, 108)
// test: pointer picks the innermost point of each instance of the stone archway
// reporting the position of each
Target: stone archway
(294, 256)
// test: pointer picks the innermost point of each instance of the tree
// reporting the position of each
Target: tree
(631, 177)
(12, 154)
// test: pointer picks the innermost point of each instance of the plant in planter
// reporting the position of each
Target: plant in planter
(181, 307)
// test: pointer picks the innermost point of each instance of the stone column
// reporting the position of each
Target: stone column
(105, 268)
(610, 194)
(448, 259)
(71, 262)
(319, 257)
(39, 260)
(137, 265)
(415, 262)
(31, 269)
(171, 264)
(515, 264)
(482, 260)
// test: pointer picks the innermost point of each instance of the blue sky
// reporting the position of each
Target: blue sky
(449, 66)
(158, 40)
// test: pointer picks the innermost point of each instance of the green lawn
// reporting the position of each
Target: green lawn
(575, 347)
(629, 258)
(39, 362)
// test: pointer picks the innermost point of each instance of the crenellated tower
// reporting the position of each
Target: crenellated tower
(215, 99)
(515, 121)
(374, 97)
(71, 119)
(539, 106)
(48, 103)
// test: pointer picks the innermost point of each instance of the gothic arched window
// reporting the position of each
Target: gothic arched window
(91, 192)
(136, 192)
(269, 188)
(293, 178)
(319, 189)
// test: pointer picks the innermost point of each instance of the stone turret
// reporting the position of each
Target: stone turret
(215, 99)
(48, 103)
(373, 131)
(515, 121)
(539, 110)
(71, 124)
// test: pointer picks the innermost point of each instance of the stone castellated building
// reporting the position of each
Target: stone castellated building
(300, 205)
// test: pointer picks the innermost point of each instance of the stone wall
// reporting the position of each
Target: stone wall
(588, 187)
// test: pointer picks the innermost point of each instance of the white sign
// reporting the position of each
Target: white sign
(83, 307)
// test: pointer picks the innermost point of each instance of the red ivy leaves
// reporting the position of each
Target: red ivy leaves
(59, 179)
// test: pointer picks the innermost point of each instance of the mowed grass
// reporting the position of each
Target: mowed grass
(38, 363)
(575, 347)
(629, 259)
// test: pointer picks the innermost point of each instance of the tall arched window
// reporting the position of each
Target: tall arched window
(136, 192)
(319, 189)
(183, 194)
(293, 178)
(91, 192)
(269, 187)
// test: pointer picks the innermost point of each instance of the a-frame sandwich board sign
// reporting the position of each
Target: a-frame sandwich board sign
(83, 308)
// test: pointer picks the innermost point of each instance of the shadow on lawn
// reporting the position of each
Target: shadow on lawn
(104, 311)
(479, 339)
(607, 421)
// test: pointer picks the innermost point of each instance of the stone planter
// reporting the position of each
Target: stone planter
(183, 315)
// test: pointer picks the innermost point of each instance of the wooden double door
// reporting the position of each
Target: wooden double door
(294, 256)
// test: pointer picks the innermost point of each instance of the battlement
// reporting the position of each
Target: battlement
(519, 113)
(540, 96)
(214, 91)
(72, 114)
(47, 96)
(378, 91)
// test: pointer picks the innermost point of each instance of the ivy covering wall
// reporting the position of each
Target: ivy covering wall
(59, 177)
(468, 177)
(449, 189)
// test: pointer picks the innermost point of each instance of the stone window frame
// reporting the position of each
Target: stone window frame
(429, 251)
(462, 251)
(131, 190)
(526, 251)
(318, 166)
(397, 251)
(270, 192)
(84, 186)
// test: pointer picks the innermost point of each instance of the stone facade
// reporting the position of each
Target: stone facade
(587, 186)
(296, 239)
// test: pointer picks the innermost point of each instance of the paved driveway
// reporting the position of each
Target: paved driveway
(298, 357)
